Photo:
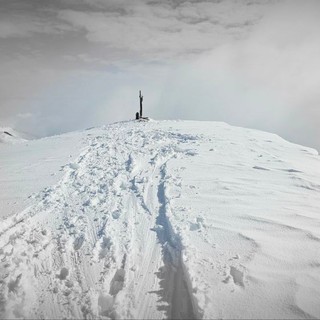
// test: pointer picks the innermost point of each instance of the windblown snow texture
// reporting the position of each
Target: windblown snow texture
(169, 220)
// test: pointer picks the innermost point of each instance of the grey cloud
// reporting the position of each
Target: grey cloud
(267, 81)
(158, 31)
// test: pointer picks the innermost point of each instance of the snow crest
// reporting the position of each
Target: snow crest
(170, 220)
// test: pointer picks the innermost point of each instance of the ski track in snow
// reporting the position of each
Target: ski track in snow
(153, 222)
(88, 248)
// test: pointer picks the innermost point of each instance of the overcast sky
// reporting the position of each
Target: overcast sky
(72, 64)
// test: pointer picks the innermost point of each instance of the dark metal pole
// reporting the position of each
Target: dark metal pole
(141, 99)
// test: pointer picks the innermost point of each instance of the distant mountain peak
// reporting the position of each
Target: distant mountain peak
(10, 135)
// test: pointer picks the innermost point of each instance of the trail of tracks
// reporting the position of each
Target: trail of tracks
(100, 243)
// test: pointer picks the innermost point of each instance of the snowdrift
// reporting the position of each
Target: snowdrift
(170, 219)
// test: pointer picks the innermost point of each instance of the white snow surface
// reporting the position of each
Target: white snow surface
(27, 167)
(164, 219)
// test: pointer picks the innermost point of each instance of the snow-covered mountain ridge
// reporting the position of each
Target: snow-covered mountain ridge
(169, 219)
(9, 135)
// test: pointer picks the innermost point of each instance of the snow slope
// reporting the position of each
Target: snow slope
(27, 167)
(12, 136)
(9, 135)
(170, 220)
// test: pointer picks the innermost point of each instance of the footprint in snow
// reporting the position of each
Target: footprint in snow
(105, 247)
(105, 303)
(194, 226)
(197, 225)
(73, 166)
(116, 214)
(237, 276)
(292, 170)
(14, 284)
(117, 282)
(64, 272)
(78, 242)
(260, 168)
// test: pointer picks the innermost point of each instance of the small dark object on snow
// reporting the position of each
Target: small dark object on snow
(9, 134)
(137, 116)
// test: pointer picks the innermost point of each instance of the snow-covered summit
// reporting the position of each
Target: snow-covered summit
(169, 219)
(9, 135)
